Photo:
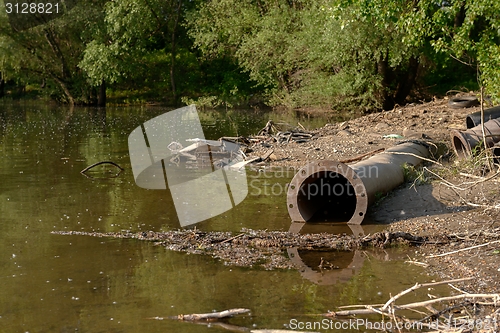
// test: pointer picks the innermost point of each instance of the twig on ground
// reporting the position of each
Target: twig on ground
(368, 309)
(457, 289)
(232, 238)
(482, 180)
(418, 286)
(461, 250)
(416, 263)
(414, 155)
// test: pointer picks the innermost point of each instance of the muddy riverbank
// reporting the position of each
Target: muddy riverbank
(454, 201)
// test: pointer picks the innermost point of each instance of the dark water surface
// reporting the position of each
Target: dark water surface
(53, 283)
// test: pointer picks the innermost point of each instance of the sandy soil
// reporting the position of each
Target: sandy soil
(458, 218)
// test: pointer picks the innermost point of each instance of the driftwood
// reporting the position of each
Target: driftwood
(83, 172)
(271, 131)
(267, 129)
(211, 315)
(242, 164)
(267, 154)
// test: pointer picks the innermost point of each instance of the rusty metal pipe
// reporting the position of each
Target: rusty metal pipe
(336, 192)
(474, 119)
(463, 142)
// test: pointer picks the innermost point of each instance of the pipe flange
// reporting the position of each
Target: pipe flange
(460, 144)
(312, 171)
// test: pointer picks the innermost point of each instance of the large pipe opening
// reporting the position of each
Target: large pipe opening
(331, 191)
(327, 196)
(327, 191)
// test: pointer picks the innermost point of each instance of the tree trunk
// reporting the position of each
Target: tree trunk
(385, 72)
(459, 17)
(64, 87)
(407, 81)
(2, 86)
(173, 51)
(101, 99)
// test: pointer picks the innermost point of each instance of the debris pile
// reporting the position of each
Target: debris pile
(257, 247)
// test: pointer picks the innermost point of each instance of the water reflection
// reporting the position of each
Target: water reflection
(326, 267)
(329, 267)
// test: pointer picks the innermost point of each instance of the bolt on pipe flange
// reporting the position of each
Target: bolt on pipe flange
(335, 190)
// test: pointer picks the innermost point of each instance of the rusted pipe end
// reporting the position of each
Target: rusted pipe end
(474, 119)
(469, 122)
(463, 142)
(460, 144)
(327, 191)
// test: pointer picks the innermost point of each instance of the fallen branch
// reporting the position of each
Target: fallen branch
(232, 238)
(372, 309)
(83, 172)
(211, 315)
(267, 154)
(464, 249)
(417, 263)
(449, 298)
(451, 185)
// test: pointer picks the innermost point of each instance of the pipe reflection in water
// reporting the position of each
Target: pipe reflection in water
(336, 266)
(333, 228)
(327, 267)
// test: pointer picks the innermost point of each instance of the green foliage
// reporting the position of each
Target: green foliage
(466, 30)
(318, 52)
(120, 48)
(334, 54)
(49, 53)
(414, 175)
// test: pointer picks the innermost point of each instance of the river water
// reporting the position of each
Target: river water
(54, 283)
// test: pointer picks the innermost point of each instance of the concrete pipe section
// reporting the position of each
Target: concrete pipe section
(464, 142)
(474, 119)
(335, 192)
